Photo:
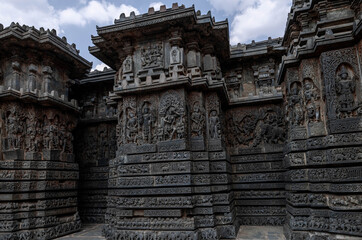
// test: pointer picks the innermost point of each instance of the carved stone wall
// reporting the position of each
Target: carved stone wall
(166, 175)
(96, 144)
(256, 136)
(187, 138)
(323, 103)
(324, 176)
(38, 172)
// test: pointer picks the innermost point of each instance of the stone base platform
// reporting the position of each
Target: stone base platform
(88, 232)
(94, 232)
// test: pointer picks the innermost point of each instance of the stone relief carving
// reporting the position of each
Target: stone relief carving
(23, 130)
(214, 122)
(132, 135)
(265, 78)
(214, 125)
(172, 117)
(175, 55)
(147, 121)
(252, 128)
(197, 120)
(345, 89)
(340, 77)
(296, 113)
(152, 55)
(311, 99)
(94, 106)
(234, 84)
(127, 65)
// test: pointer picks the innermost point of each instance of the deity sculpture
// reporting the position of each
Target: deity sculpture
(345, 88)
(310, 97)
(53, 134)
(152, 56)
(39, 135)
(295, 105)
(146, 121)
(30, 135)
(214, 125)
(127, 64)
(174, 55)
(197, 120)
(131, 127)
(11, 129)
(169, 122)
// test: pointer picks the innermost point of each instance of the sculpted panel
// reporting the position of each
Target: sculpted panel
(253, 128)
(342, 88)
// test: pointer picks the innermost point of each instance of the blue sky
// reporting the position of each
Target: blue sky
(77, 20)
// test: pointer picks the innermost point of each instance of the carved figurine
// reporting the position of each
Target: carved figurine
(53, 134)
(180, 129)
(197, 120)
(11, 129)
(146, 121)
(30, 135)
(310, 97)
(169, 122)
(295, 104)
(345, 87)
(131, 128)
(39, 135)
(214, 124)
(127, 64)
(152, 56)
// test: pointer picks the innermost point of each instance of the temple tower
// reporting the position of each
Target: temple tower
(170, 178)
(38, 176)
(321, 74)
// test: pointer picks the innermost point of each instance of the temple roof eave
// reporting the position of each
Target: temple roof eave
(45, 40)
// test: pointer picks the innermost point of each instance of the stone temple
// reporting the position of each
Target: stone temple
(185, 137)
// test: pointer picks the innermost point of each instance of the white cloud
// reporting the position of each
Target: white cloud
(228, 6)
(40, 13)
(71, 16)
(254, 19)
(95, 11)
(100, 67)
(156, 5)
